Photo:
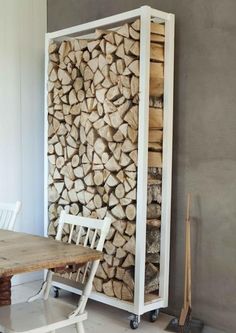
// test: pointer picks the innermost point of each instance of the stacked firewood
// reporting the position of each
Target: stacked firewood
(154, 191)
(93, 96)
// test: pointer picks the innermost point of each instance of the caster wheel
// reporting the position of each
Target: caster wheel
(153, 315)
(134, 324)
(56, 292)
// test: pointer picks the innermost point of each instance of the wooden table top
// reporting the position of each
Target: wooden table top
(21, 253)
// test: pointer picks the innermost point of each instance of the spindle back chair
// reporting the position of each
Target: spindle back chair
(8, 215)
(42, 313)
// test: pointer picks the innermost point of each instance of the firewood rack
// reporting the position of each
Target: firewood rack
(151, 302)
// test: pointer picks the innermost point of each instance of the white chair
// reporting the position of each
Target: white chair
(8, 215)
(46, 314)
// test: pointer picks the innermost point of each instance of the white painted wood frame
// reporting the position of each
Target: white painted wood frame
(146, 15)
(8, 214)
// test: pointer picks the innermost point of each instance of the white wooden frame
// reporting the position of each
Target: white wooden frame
(8, 214)
(146, 14)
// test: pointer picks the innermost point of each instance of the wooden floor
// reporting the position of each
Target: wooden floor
(101, 318)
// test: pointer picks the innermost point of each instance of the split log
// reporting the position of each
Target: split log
(100, 94)
(154, 159)
(109, 247)
(153, 258)
(129, 261)
(126, 293)
(118, 39)
(120, 226)
(113, 93)
(136, 25)
(135, 49)
(156, 79)
(155, 118)
(157, 28)
(64, 76)
(52, 47)
(111, 180)
(154, 146)
(118, 240)
(128, 43)
(132, 117)
(110, 235)
(53, 195)
(92, 45)
(120, 253)
(157, 52)
(99, 146)
(157, 38)
(98, 78)
(117, 288)
(130, 229)
(72, 195)
(134, 85)
(110, 271)
(100, 272)
(120, 51)
(130, 245)
(154, 223)
(110, 37)
(112, 165)
(134, 67)
(108, 258)
(128, 146)
(153, 239)
(154, 193)
(101, 212)
(151, 278)
(123, 30)
(118, 211)
(110, 48)
(120, 273)
(153, 211)
(155, 136)
(134, 34)
(128, 278)
(98, 284)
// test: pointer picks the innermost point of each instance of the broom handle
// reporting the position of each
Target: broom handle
(189, 265)
(187, 281)
(189, 254)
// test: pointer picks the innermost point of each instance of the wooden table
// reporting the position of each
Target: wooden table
(21, 253)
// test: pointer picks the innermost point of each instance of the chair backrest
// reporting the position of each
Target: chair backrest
(85, 231)
(8, 214)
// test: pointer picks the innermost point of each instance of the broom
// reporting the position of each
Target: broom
(185, 323)
(185, 315)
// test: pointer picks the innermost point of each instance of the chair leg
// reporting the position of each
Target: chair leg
(80, 327)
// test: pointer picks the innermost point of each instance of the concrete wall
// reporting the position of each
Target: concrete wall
(204, 143)
(22, 28)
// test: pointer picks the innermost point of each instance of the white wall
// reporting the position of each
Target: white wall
(22, 29)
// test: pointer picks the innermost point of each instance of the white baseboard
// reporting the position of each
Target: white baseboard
(27, 277)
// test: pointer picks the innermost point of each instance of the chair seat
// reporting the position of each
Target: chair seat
(38, 317)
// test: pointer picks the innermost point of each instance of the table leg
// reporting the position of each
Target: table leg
(5, 290)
